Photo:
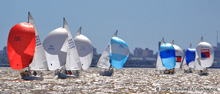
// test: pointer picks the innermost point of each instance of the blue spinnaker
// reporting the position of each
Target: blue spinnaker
(190, 55)
(119, 52)
(167, 54)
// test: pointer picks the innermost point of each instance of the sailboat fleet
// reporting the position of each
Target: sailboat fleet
(66, 55)
(171, 57)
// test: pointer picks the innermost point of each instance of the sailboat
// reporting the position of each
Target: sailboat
(204, 57)
(39, 62)
(24, 46)
(84, 48)
(72, 58)
(168, 57)
(79, 54)
(179, 55)
(115, 55)
(189, 60)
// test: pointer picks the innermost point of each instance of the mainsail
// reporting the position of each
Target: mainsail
(197, 63)
(21, 45)
(39, 62)
(184, 64)
(52, 45)
(159, 64)
(72, 58)
(84, 48)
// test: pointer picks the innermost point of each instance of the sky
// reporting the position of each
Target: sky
(141, 23)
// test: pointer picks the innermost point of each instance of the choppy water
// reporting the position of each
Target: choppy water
(126, 80)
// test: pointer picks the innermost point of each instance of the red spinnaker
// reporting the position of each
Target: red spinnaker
(21, 45)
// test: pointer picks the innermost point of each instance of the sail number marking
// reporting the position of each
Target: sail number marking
(38, 40)
(71, 44)
(107, 48)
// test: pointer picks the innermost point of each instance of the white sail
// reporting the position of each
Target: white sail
(197, 64)
(39, 61)
(179, 55)
(184, 64)
(84, 48)
(52, 45)
(197, 60)
(159, 64)
(72, 58)
(104, 59)
(205, 54)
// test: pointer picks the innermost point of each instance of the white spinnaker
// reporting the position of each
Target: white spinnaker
(84, 48)
(52, 45)
(104, 58)
(39, 61)
(178, 53)
(206, 61)
(72, 58)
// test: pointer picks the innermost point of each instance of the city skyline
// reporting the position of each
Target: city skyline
(94, 50)
(140, 23)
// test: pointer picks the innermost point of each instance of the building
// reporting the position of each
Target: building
(148, 53)
(142, 54)
(4, 52)
(138, 52)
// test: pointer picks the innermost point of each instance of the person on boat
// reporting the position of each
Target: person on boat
(77, 72)
(166, 71)
(41, 74)
(69, 72)
(35, 73)
(22, 74)
(26, 73)
(171, 71)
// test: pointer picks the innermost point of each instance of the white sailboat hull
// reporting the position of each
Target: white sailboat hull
(32, 78)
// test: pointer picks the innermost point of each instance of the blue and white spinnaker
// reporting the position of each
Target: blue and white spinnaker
(119, 52)
(167, 54)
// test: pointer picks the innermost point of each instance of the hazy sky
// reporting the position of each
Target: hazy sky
(141, 23)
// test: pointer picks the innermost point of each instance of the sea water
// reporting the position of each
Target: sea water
(126, 80)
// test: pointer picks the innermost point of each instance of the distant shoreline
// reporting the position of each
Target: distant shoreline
(6, 65)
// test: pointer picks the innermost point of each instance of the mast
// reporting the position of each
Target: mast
(217, 38)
